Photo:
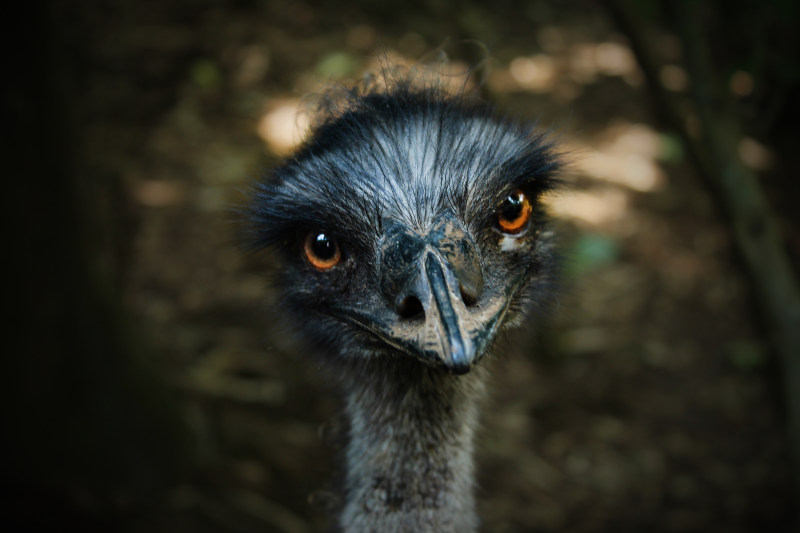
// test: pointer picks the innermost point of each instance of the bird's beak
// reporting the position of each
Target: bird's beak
(433, 284)
(446, 315)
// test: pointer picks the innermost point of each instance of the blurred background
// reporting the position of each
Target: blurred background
(147, 388)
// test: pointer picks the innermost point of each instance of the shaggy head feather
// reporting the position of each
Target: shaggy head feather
(404, 159)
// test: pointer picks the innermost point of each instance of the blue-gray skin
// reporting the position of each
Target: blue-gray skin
(406, 184)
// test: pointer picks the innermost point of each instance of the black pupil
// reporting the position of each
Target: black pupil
(512, 207)
(323, 247)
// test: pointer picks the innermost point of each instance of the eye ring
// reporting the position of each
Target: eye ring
(514, 213)
(321, 250)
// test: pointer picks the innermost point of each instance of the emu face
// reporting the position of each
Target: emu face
(410, 226)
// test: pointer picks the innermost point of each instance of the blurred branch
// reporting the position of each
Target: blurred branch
(736, 188)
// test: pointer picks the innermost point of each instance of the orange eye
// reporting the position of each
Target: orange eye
(514, 212)
(321, 250)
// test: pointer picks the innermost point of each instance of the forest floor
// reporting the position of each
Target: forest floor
(649, 403)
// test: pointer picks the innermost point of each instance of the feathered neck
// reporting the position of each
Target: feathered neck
(409, 457)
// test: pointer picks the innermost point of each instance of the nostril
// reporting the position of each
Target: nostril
(410, 307)
(467, 297)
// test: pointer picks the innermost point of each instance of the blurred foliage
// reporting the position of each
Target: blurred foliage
(645, 418)
(746, 355)
(206, 74)
(337, 65)
(670, 149)
(592, 250)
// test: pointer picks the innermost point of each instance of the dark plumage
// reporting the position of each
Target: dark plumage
(411, 233)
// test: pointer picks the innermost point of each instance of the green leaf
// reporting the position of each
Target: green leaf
(670, 149)
(337, 65)
(592, 250)
(205, 74)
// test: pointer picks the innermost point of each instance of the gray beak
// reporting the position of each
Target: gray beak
(445, 314)
(435, 283)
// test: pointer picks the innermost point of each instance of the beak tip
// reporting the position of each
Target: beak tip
(461, 359)
(460, 369)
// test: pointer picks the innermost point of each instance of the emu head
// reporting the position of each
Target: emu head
(410, 225)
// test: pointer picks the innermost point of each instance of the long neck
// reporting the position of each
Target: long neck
(409, 457)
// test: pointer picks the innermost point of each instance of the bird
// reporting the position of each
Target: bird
(409, 234)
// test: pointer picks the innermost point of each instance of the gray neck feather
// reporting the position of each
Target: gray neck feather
(409, 457)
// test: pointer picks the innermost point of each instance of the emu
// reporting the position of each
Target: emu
(410, 233)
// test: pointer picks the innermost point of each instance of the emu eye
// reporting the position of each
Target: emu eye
(514, 213)
(321, 250)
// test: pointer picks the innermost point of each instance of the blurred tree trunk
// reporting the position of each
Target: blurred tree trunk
(736, 188)
(85, 424)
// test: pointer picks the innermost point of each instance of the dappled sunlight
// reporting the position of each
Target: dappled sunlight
(587, 61)
(624, 162)
(536, 73)
(285, 122)
(593, 208)
(634, 171)
(674, 78)
(754, 154)
(615, 59)
(562, 69)
(284, 126)
(628, 158)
